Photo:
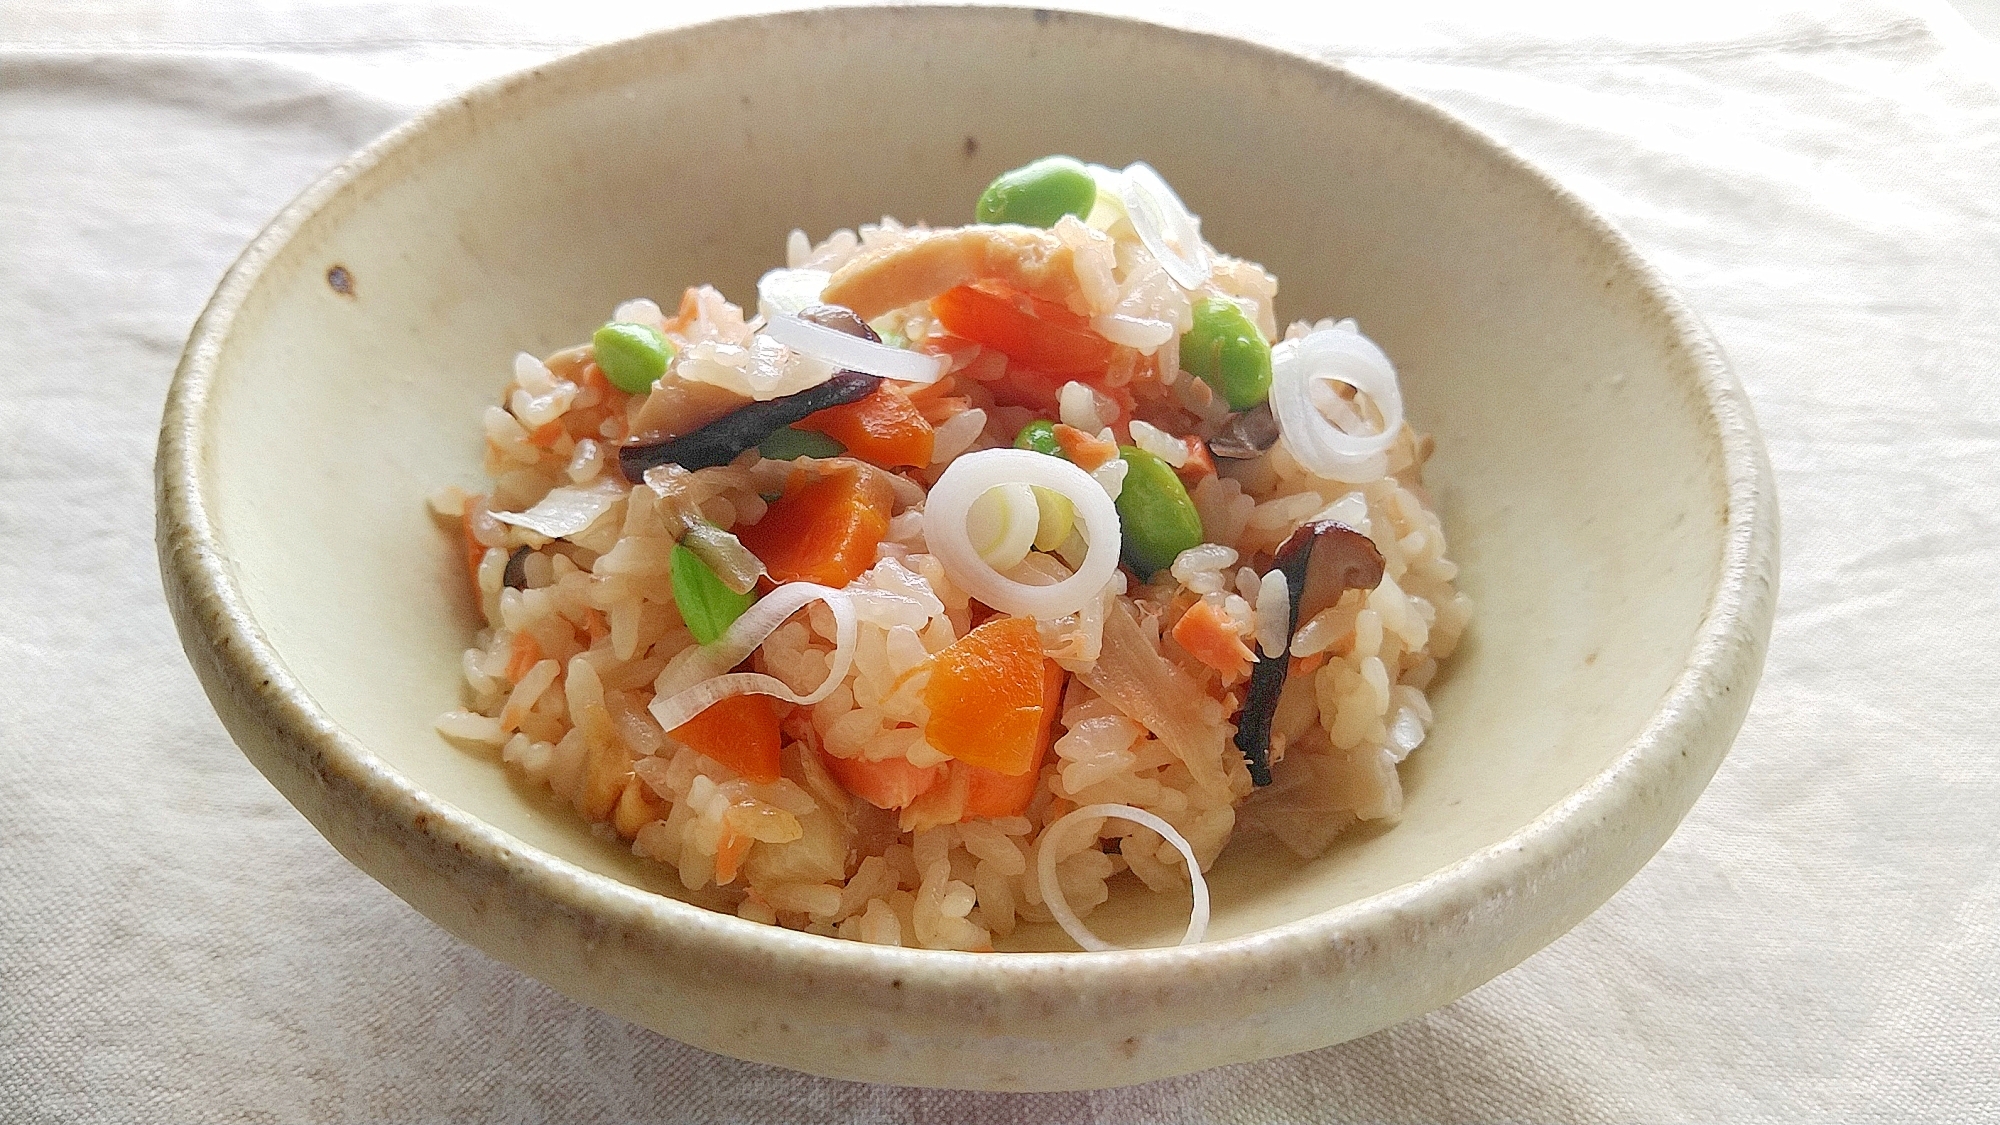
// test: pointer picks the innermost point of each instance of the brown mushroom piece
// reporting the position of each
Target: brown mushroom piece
(1320, 561)
(1249, 433)
(515, 577)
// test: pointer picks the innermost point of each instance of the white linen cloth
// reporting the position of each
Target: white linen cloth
(1820, 941)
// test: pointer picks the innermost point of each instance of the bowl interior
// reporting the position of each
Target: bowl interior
(1577, 470)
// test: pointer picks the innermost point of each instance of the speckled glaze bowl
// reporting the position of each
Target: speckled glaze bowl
(1597, 469)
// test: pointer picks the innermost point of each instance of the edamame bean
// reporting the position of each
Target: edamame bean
(1225, 350)
(1155, 514)
(1040, 436)
(1039, 194)
(708, 607)
(632, 356)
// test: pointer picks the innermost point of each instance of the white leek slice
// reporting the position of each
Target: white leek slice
(700, 676)
(1109, 209)
(783, 292)
(1058, 903)
(1169, 230)
(855, 353)
(1055, 518)
(1334, 355)
(949, 509)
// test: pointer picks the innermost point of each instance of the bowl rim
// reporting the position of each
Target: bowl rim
(1726, 654)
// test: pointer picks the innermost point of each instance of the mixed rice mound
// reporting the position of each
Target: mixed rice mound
(910, 802)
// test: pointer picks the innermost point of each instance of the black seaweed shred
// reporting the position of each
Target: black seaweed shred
(1360, 567)
(1260, 707)
(726, 438)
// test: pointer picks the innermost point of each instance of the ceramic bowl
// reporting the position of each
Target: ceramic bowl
(1597, 470)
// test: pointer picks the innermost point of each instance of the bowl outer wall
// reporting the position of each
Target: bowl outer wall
(1021, 1021)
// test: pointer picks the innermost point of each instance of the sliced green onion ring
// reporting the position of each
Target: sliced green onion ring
(968, 478)
(1336, 354)
(699, 676)
(1170, 231)
(1058, 903)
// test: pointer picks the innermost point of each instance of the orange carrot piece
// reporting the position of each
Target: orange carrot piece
(926, 396)
(688, 312)
(1084, 449)
(546, 434)
(991, 793)
(522, 657)
(1208, 636)
(741, 732)
(729, 851)
(823, 530)
(1200, 462)
(475, 551)
(885, 429)
(891, 783)
(985, 696)
(1040, 334)
(938, 411)
(1020, 386)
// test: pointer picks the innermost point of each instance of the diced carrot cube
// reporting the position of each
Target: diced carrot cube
(1036, 333)
(729, 852)
(1085, 450)
(994, 794)
(1200, 463)
(1210, 637)
(1020, 386)
(985, 696)
(823, 530)
(891, 783)
(885, 429)
(741, 732)
(523, 655)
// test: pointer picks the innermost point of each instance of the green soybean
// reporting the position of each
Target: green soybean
(1040, 436)
(786, 443)
(1156, 516)
(1039, 194)
(708, 607)
(1225, 350)
(632, 356)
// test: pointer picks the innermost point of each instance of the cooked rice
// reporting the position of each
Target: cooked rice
(596, 613)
